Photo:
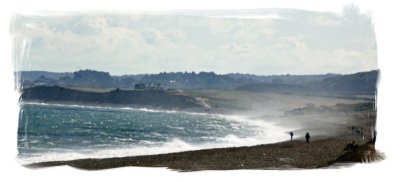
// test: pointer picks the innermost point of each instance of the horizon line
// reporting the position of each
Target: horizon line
(197, 72)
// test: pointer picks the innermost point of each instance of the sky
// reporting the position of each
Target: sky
(262, 42)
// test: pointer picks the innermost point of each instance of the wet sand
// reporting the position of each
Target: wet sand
(284, 155)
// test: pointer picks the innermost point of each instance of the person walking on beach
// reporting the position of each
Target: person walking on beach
(374, 137)
(291, 135)
(308, 137)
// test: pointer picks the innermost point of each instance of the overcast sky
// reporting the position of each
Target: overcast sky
(263, 42)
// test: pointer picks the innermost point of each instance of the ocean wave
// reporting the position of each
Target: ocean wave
(265, 132)
(113, 108)
(148, 148)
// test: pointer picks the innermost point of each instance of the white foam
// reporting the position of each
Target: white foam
(266, 132)
(111, 108)
(150, 148)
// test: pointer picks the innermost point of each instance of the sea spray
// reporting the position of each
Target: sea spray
(49, 132)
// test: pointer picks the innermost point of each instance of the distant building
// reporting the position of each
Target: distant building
(149, 86)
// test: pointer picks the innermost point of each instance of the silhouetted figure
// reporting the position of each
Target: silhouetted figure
(360, 131)
(291, 135)
(308, 137)
(374, 138)
(351, 146)
(353, 129)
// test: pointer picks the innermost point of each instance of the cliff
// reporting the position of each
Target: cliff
(139, 98)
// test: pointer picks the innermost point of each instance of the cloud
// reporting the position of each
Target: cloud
(298, 42)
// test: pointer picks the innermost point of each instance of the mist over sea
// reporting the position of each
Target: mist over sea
(49, 132)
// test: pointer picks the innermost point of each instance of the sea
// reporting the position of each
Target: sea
(56, 132)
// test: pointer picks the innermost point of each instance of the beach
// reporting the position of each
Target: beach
(190, 141)
(296, 154)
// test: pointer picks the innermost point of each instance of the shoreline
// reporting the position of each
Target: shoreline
(296, 154)
(326, 147)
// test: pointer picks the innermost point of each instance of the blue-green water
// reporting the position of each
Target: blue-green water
(62, 132)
